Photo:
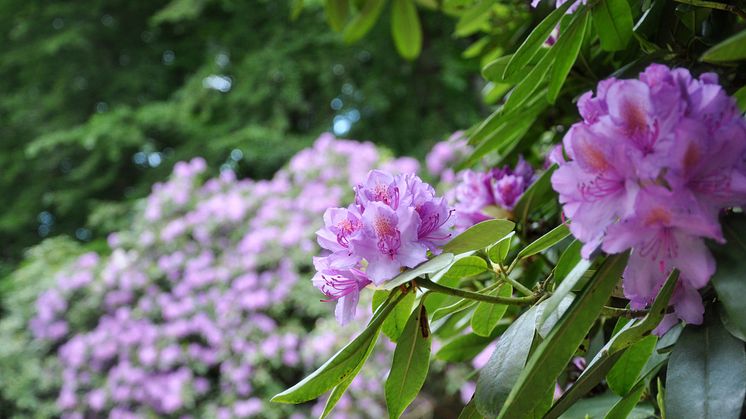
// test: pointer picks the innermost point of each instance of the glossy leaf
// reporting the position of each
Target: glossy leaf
(406, 29)
(554, 353)
(487, 315)
(394, 324)
(340, 366)
(463, 267)
(410, 365)
(363, 22)
(337, 12)
(470, 411)
(338, 391)
(567, 261)
(463, 348)
(533, 80)
(732, 49)
(499, 251)
(565, 287)
(500, 373)
(474, 18)
(535, 41)
(740, 97)
(544, 242)
(568, 47)
(436, 264)
(613, 22)
(730, 274)
(479, 236)
(706, 375)
(623, 375)
(623, 408)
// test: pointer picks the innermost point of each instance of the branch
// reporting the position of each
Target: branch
(434, 286)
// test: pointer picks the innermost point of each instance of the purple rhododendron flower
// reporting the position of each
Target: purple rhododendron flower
(479, 196)
(444, 154)
(651, 166)
(393, 223)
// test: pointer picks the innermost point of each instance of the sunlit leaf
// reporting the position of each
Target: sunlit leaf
(406, 29)
(479, 236)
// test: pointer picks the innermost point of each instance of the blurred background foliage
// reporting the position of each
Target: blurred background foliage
(100, 99)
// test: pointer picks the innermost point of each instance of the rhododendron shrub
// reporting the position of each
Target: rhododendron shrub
(200, 309)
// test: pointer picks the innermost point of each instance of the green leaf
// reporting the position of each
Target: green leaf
(598, 406)
(340, 389)
(706, 375)
(623, 408)
(567, 261)
(463, 348)
(536, 194)
(740, 97)
(464, 266)
(613, 22)
(436, 264)
(459, 305)
(545, 242)
(728, 280)
(495, 70)
(474, 18)
(479, 236)
(623, 375)
(535, 41)
(511, 129)
(499, 251)
(337, 12)
(568, 47)
(565, 287)
(379, 297)
(554, 353)
(534, 78)
(362, 22)
(487, 315)
(470, 411)
(500, 373)
(406, 29)
(410, 364)
(394, 324)
(732, 49)
(547, 316)
(340, 366)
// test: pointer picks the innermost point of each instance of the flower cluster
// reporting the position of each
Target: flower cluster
(479, 196)
(393, 223)
(651, 166)
(444, 154)
(198, 308)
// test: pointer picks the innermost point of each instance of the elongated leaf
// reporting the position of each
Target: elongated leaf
(474, 18)
(337, 12)
(513, 128)
(531, 83)
(340, 389)
(732, 49)
(470, 411)
(565, 287)
(626, 404)
(545, 242)
(623, 375)
(340, 366)
(534, 41)
(536, 194)
(740, 97)
(463, 348)
(706, 375)
(436, 264)
(362, 22)
(553, 354)
(499, 251)
(567, 261)
(459, 305)
(464, 266)
(505, 365)
(729, 278)
(547, 316)
(395, 323)
(479, 236)
(379, 297)
(406, 29)
(598, 406)
(613, 22)
(485, 317)
(568, 47)
(410, 364)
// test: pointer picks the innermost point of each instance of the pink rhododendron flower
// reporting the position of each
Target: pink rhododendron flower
(393, 223)
(478, 196)
(651, 166)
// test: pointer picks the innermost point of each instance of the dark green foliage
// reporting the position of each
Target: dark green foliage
(99, 99)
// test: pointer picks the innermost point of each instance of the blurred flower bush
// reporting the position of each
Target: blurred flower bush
(196, 308)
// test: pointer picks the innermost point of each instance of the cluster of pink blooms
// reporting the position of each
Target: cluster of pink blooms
(445, 154)
(479, 196)
(651, 167)
(197, 311)
(393, 223)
